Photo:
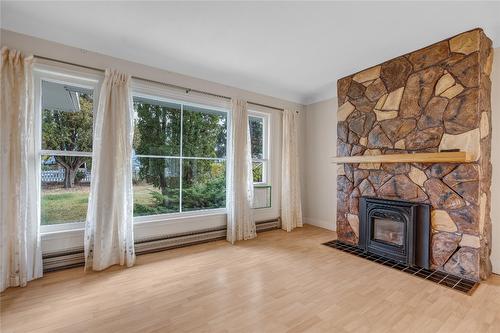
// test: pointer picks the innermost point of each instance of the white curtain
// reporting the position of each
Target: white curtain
(21, 256)
(291, 207)
(109, 235)
(240, 221)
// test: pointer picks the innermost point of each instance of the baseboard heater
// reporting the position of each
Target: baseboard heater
(74, 257)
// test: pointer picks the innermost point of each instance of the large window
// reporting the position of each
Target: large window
(179, 161)
(65, 149)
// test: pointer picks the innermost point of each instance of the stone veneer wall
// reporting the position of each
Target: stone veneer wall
(432, 99)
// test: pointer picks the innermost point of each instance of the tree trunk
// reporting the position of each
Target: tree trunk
(71, 166)
(69, 177)
(164, 190)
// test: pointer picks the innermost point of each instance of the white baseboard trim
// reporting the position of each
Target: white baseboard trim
(329, 225)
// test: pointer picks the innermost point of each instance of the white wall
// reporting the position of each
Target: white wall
(321, 183)
(495, 160)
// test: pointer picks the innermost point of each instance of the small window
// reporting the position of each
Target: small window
(65, 151)
(259, 138)
(258, 142)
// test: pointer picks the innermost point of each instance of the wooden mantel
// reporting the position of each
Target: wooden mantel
(442, 157)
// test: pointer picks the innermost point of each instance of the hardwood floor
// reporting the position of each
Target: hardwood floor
(278, 282)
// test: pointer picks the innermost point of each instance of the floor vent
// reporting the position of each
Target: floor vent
(74, 257)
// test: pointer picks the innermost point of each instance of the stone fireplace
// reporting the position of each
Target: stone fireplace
(431, 100)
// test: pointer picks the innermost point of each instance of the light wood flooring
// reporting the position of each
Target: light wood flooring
(279, 282)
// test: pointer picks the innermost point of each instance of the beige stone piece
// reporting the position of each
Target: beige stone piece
(400, 144)
(417, 176)
(453, 91)
(489, 64)
(470, 241)
(482, 212)
(384, 115)
(466, 142)
(442, 221)
(367, 83)
(381, 102)
(369, 74)
(344, 111)
(465, 43)
(363, 141)
(393, 100)
(340, 170)
(484, 125)
(354, 223)
(445, 82)
(370, 166)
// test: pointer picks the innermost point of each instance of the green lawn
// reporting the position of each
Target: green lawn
(61, 205)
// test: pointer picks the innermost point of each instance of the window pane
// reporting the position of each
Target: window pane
(67, 113)
(156, 185)
(203, 184)
(65, 188)
(157, 127)
(258, 171)
(204, 132)
(257, 136)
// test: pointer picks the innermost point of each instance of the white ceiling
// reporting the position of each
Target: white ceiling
(295, 51)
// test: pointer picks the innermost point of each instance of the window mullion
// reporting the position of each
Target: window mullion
(65, 153)
(181, 153)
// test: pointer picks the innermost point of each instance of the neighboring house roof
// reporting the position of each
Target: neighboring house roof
(62, 97)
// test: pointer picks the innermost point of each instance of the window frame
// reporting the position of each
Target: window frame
(42, 72)
(158, 94)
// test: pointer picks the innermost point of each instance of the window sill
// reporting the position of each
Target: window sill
(61, 228)
(173, 217)
(138, 221)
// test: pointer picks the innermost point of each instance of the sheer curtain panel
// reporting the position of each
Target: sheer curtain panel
(239, 195)
(109, 236)
(21, 256)
(291, 207)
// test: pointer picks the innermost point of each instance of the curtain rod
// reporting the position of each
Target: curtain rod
(187, 90)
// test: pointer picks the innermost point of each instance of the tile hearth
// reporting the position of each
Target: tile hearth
(454, 282)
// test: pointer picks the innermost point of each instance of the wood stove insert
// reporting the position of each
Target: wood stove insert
(395, 229)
